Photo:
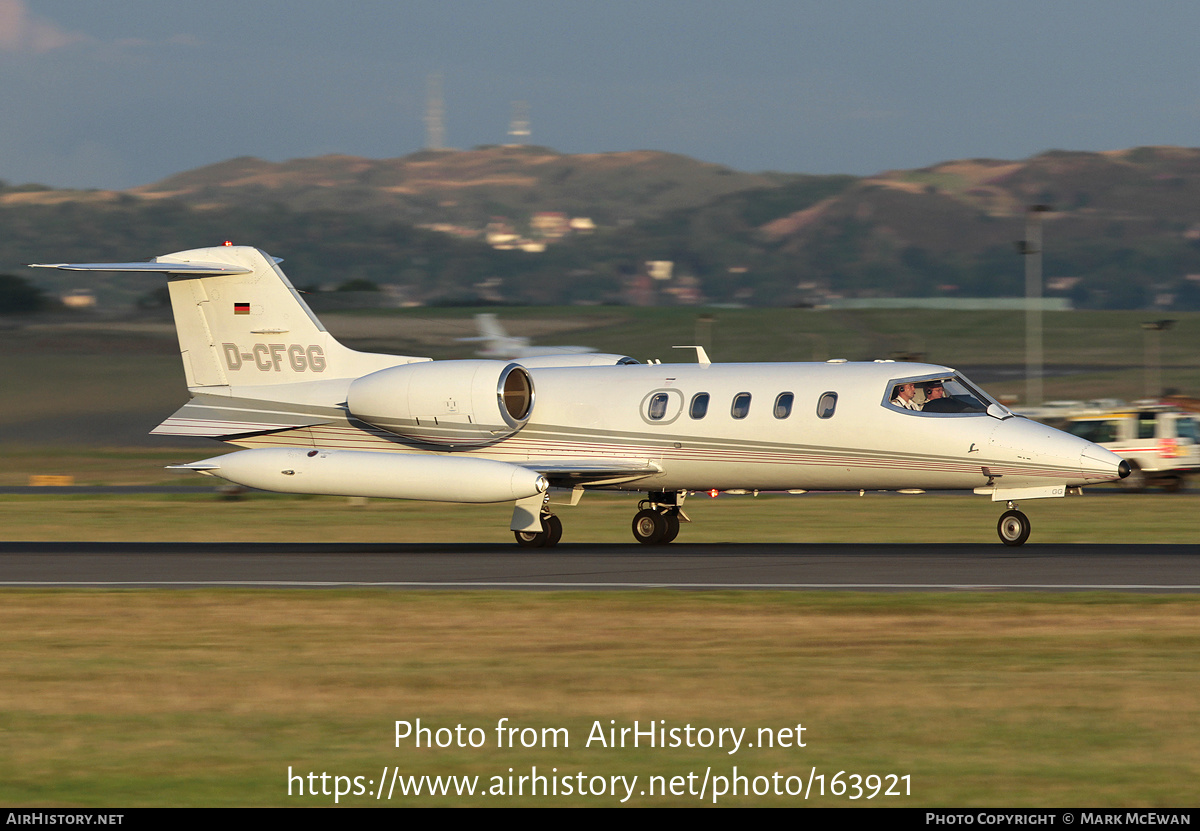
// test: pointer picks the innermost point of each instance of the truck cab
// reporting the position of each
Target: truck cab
(1161, 444)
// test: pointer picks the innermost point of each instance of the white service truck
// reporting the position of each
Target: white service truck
(1161, 444)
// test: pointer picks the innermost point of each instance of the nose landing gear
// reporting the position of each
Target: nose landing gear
(1013, 527)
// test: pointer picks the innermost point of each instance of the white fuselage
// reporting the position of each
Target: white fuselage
(602, 413)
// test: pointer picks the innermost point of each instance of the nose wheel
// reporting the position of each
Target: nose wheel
(1013, 527)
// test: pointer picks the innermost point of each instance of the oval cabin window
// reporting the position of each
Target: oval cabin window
(741, 405)
(658, 406)
(783, 404)
(699, 408)
(826, 404)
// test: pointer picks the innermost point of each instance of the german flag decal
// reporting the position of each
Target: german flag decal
(241, 308)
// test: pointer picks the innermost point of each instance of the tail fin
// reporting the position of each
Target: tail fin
(498, 341)
(252, 327)
(241, 322)
(490, 327)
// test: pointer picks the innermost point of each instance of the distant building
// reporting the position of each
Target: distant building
(660, 269)
(686, 291)
(551, 224)
(1062, 283)
(501, 235)
(639, 291)
(460, 231)
(79, 299)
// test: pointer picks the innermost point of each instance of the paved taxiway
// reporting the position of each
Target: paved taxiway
(1153, 568)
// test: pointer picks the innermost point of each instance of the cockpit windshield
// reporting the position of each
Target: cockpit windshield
(939, 395)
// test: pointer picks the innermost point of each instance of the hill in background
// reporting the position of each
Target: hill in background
(468, 188)
(1124, 231)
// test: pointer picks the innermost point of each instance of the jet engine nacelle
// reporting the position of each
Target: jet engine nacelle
(450, 403)
(365, 473)
(586, 359)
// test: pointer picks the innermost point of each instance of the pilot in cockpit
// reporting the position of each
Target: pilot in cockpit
(903, 395)
(934, 391)
(937, 400)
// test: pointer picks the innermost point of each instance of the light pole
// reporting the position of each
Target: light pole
(1032, 249)
(1153, 357)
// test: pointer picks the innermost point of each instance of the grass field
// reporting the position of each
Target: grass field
(599, 518)
(208, 697)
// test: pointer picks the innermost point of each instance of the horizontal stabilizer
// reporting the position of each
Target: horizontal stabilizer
(217, 417)
(191, 269)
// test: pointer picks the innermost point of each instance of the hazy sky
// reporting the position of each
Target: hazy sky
(123, 92)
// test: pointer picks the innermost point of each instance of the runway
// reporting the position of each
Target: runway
(1124, 568)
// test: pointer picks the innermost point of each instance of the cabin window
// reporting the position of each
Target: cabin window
(826, 404)
(699, 408)
(741, 405)
(783, 405)
(658, 406)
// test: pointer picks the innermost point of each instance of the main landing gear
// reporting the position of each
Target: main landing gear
(548, 537)
(657, 521)
(1013, 526)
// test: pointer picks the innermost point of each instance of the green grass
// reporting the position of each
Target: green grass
(599, 518)
(207, 697)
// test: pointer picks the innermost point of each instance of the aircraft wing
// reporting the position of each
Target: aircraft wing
(567, 474)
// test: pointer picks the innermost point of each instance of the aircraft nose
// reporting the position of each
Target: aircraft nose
(1100, 465)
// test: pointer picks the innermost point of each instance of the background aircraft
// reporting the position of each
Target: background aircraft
(500, 344)
(318, 417)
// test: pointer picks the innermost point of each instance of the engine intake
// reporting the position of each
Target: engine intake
(452, 403)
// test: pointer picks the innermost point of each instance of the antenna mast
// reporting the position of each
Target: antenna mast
(518, 127)
(435, 112)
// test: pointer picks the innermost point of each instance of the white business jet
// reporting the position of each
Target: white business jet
(320, 418)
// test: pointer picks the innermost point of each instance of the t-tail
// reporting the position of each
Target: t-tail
(257, 360)
(242, 323)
